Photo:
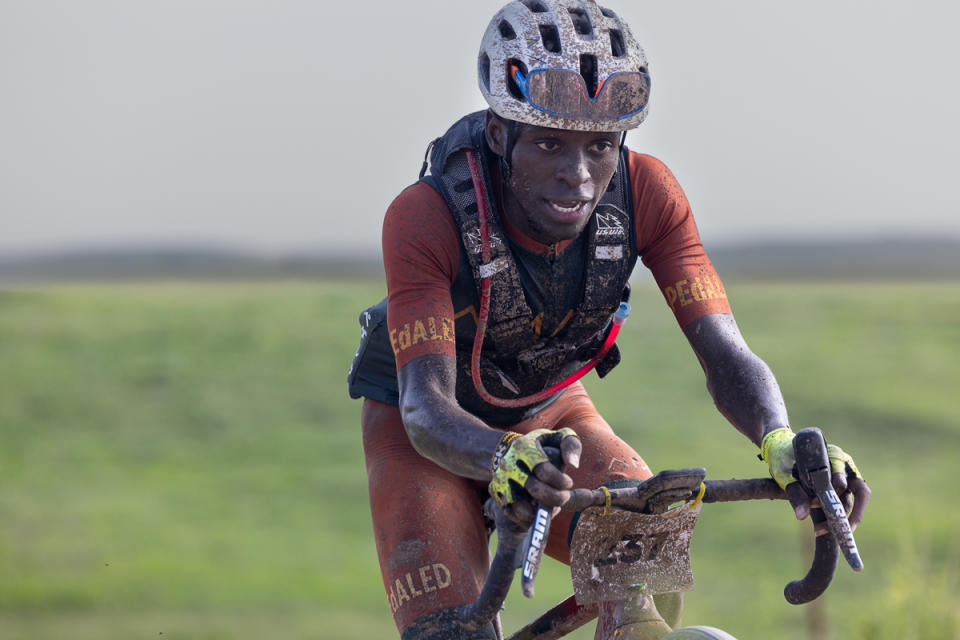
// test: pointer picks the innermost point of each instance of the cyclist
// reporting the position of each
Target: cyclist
(504, 267)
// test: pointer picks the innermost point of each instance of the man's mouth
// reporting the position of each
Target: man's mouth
(569, 208)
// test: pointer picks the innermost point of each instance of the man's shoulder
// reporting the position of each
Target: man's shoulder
(644, 163)
(653, 182)
(417, 201)
(419, 228)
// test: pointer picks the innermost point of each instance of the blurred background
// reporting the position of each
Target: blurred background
(191, 196)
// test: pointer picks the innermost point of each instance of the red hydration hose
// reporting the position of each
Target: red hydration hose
(618, 319)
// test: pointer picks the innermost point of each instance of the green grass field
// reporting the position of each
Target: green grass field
(182, 460)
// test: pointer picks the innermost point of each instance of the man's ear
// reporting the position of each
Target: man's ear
(495, 133)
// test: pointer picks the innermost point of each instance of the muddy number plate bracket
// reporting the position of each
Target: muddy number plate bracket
(616, 555)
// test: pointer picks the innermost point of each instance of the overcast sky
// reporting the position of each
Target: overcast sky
(289, 125)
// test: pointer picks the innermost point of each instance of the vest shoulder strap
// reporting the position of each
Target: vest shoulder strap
(510, 318)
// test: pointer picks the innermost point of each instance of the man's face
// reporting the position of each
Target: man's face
(556, 180)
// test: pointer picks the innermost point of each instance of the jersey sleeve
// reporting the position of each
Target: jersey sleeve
(421, 258)
(669, 243)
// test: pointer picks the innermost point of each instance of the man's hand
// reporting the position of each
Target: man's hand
(522, 473)
(777, 450)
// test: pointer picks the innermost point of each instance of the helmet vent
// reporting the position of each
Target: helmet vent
(608, 13)
(551, 37)
(618, 47)
(589, 71)
(512, 86)
(506, 30)
(581, 23)
(484, 68)
(534, 6)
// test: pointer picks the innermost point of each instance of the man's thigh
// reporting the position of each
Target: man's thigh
(428, 526)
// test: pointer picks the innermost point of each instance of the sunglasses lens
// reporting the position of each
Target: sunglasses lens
(623, 94)
(563, 93)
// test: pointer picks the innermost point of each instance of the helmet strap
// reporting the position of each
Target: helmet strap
(504, 168)
(510, 140)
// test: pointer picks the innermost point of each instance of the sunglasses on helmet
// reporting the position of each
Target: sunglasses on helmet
(563, 93)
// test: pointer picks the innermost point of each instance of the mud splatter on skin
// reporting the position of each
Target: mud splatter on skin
(743, 387)
(406, 554)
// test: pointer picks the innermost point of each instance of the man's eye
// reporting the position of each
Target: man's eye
(602, 147)
(548, 145)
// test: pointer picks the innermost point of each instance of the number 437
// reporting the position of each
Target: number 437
(631, 548)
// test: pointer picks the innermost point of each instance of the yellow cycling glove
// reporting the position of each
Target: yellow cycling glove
(515, 459)
(776, 450)
(841, 462)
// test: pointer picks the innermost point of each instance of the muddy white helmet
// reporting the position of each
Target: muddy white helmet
(565, 64)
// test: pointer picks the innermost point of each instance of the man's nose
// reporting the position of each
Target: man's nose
(573, 169)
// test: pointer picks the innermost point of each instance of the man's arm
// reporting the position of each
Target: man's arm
(438, 427)
(747, 394)
(741, 384)
(442, 431)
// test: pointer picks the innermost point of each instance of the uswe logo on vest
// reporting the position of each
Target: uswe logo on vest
(609, 222)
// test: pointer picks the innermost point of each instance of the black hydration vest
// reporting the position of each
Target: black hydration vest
(548, 314)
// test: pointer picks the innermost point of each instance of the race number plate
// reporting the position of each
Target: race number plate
(615, 556)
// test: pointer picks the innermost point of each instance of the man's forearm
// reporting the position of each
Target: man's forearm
(743, 387)
(438, 428)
